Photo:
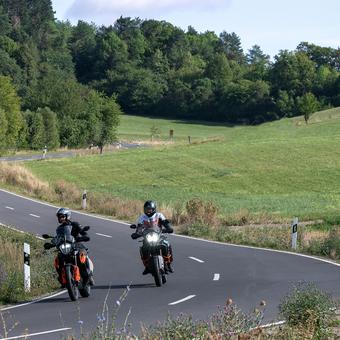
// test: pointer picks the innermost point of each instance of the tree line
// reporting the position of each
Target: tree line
(65, 84)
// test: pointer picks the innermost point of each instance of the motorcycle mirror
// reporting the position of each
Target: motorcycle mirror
(46, 236)
(86, 228)
(133, 226)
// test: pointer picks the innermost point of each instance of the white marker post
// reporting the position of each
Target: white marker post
(44, 152)
(27, 268)
(294, 232)
(83, 203)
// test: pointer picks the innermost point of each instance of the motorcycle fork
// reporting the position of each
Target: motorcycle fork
(76, 271)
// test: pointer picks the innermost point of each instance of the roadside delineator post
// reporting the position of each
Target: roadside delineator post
(44, 152)
(294, 232)
(83, 202)
(27, 268)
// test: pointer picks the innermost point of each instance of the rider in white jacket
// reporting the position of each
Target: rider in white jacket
(150, 219)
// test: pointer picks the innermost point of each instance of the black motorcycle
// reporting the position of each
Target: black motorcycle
(152, 240)
(66, 262)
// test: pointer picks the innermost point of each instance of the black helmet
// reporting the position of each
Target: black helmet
(63, 212)
(149, 208)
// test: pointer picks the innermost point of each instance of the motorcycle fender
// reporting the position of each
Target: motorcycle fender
(161, 262)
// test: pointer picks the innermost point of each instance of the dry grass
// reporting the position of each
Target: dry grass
(15, 175)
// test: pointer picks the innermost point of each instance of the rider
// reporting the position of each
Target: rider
(64, 218)
(147, 220)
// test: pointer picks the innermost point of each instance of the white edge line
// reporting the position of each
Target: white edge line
(34, 334)
(103, 235)
(259, 248)
(34, 301)
(216, 277)
(75, 211)
(184, 236)
(182, 300)
(10, 208)
(35, 215)
(196, 259)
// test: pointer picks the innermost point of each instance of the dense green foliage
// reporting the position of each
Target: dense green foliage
(41, 101)
(150, 68)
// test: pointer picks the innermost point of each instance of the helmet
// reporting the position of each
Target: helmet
(149, 208)
(63, 212)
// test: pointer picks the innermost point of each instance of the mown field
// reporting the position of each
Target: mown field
(282, 169)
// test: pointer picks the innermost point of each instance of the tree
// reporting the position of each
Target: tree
(3, 129)
(231, 46)
(307, 104)
(110, 113)
(258, 63)
(36, 134)
(10, 104)
(51, 132)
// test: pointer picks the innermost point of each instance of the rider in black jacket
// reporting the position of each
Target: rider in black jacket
(86, 269)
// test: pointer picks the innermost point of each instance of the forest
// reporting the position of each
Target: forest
(64, 85)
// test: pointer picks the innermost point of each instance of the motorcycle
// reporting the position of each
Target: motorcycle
(68, 252)
(152, 240)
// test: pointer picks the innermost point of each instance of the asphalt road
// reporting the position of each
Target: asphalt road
(206, 274)
(50, 155)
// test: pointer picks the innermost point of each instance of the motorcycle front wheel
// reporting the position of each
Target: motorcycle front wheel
(156, 271)
(71, 287)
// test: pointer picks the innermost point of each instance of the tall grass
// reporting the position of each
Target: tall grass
(12, 267)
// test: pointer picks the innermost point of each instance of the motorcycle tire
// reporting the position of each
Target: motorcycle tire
(156, 271)
(71, 287)
(85, 290)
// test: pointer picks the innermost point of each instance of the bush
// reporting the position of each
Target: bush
(307, 306)
(199, 212)
(331, 246)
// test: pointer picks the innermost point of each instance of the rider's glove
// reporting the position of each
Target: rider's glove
(134, 236)
(48, 245)
(169, 230)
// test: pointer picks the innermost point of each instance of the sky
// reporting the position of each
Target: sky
(272, 24)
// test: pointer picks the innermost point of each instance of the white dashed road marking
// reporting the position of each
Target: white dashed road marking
(182, 300)
(103, 235)
(36, 216)
(10, 208)
(196, 259)
(216, 277)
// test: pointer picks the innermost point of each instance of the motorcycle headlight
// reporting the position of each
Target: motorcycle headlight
(152, 237)
(65, 248)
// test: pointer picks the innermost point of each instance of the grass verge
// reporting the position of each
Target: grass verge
(12, 267)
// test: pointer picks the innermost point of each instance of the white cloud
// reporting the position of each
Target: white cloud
(104, 7)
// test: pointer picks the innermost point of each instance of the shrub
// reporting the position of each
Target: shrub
(307, 306)
(331, 246)
(200, 212)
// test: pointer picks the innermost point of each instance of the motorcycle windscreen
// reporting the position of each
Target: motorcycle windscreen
(64, 233)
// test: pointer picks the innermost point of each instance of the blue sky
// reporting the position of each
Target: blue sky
(272, 24)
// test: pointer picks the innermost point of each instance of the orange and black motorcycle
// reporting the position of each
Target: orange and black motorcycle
(70, 251)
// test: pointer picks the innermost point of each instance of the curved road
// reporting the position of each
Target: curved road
(206, 274)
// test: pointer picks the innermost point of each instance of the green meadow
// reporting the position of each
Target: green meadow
(284, 168)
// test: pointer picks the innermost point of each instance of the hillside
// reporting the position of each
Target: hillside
(282, 168)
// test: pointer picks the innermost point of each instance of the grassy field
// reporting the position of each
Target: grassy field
(282, 169)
